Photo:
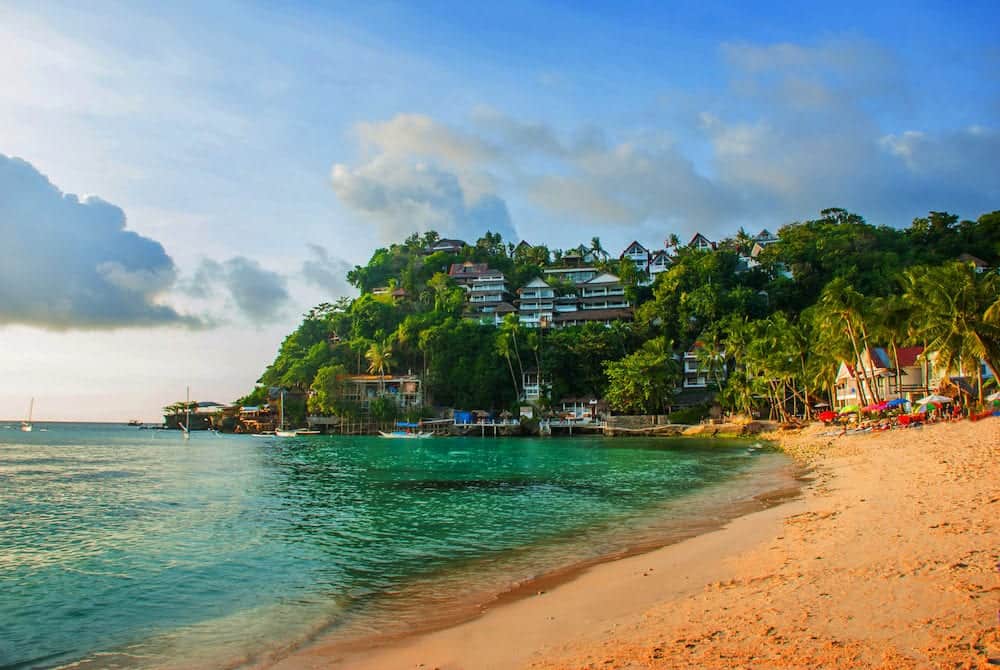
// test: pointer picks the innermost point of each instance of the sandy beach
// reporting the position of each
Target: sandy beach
(888, 559)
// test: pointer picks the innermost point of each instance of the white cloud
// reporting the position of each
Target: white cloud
(419, 135)
(400, 196)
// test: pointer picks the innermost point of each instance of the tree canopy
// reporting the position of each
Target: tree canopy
(771, 327)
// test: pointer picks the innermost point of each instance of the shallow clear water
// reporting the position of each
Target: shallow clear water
(129, 548)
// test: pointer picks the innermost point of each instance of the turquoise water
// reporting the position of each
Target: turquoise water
(129, 548)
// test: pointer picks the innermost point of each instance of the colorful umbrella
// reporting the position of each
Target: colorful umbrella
(876, 407)
(895, 403)
(934, 398)
(827, 416)
(850, 409)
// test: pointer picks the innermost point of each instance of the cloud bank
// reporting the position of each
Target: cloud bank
(72, 264)
(797, 128)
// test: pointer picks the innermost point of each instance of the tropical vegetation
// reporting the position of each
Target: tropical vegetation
(770, 337)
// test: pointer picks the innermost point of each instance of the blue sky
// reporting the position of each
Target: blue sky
(242, 156)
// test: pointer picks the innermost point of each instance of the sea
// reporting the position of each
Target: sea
(128, 548)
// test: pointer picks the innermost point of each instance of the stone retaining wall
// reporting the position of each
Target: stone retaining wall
(636, 421)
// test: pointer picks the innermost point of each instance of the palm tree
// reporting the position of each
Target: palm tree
(597, 249)
(505, 349)
(892, 325)
(955, 309)
(841, 311)
(359, 345)
(711, 358)
(744, 242)
(379, 355)
(511, 328)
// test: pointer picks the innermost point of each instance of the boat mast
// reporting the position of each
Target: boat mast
(187, 415)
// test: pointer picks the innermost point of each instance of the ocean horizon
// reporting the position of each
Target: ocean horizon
(137, 549)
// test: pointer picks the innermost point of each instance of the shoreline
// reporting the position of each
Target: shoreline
(757, 591)
(768, 483)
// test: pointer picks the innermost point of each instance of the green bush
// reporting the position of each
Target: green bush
(690, 415)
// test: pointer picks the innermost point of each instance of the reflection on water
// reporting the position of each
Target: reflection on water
(127, 548)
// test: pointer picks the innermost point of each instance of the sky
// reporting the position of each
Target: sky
(180, 182)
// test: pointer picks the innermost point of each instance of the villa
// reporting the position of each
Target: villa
(487, 291)
(404, 390)
(585, 408)
(636, 253)
(450, 246)
(701, 243)
(534, 385)
(599, 299)
(465, 273)
(659, 262)
(880, 379)
(536, 304)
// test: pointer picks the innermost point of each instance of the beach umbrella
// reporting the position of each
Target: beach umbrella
(827, 416)
(895, 403)
(821, 405)
(876, 407)
(934, 398)
(993, 397)
(850, 409)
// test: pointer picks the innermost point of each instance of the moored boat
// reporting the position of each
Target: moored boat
(403, 435)
(26, 426)
(404, 431)
(281, 430)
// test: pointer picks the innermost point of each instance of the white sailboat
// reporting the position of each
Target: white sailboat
(26, 426)
(187, 415)
(281, 431)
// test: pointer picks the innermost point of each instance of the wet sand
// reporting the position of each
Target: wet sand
(888, 560)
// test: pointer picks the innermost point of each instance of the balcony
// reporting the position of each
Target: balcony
(695, 382)
(478, 290)
(532, 392)
(606, 305)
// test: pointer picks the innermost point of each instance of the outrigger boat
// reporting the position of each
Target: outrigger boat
(405, 432)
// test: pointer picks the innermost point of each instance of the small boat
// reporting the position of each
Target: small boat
(403, 435)
(404, 431)
(26, 425)
(281, 431)
(134, 422)
(307, 431)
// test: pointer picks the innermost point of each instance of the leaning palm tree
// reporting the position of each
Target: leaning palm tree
(506, 349)
(893, 318)
(841, 310)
